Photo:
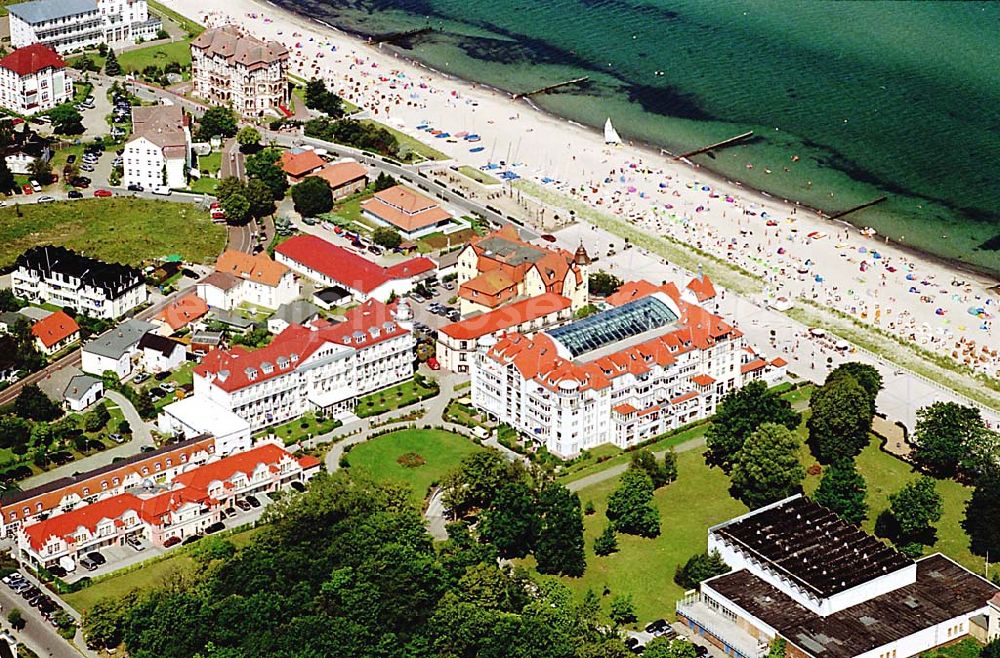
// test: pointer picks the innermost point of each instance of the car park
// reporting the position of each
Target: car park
(172, 541)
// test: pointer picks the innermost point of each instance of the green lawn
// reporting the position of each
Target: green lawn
(211, 162)
(158, 54)
(117, 229)
(204, 185)
(151, 575)
(415, 145)
(391, 398)
(439, 451)
(477, 175)
(645, 567)
(302, 428)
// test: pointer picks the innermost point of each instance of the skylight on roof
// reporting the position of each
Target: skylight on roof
(602, 329)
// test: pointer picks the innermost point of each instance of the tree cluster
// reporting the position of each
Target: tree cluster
(383, 182)
(244, 201)
(347, 569)
(842, 490)
(387, 237)
(912, 512)
(318, 97)
(842, 410)
(264, 167)
(312, 197)
(768, 467)
(216, 122)
(740, 412)
(66, 119)
(699, 567)
(630, 506)
(603, 284)
(33, 404)
(950, 437)
(364, 136)
(519, 514)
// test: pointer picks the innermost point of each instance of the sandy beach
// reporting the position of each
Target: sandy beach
(794, 251)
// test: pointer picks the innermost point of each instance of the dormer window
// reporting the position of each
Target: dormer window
(295, 357)
(374, 332)
(347, 340)
(267, 368)
(251, 373)
(282, 362)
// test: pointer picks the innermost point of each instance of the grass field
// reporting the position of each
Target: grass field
(158, 54)
(395, 397)
(477, 175)
(151, 575)
(117, 230)
(440, 451)
(415, 145)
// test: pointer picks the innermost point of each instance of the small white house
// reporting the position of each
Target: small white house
(116, 349)
(82, 391)
(196, 415)
(33, 79)
(159, 152)
(160, 354)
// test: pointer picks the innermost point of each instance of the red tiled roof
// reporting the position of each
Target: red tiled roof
(703, 380)
(405, 209)
(633, 290)
(88, 516)
(690, 395)
(55, 328)
(346, 267)
(365, 325)
(257, 268)
(506, 317)
(625, 409)
(301, 163)
(224, 469)
(339, 174)
(308, 461)
(182, 311)
(756, 364)
(32, 59)
(778, 362)
(702, 288)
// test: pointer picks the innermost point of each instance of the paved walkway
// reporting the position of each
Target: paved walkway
(140, 437)
(618, 469)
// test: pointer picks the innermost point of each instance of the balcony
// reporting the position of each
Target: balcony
(734, 639)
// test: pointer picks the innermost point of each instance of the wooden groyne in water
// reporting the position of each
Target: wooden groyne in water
(857, 208)
(545, 90)
(395, 37)
(718, 145)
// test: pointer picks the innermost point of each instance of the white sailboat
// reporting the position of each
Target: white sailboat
(610, 134)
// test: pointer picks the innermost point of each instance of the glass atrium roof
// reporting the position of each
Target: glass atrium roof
(617, 324)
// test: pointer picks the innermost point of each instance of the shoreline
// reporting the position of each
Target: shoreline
(650, 149)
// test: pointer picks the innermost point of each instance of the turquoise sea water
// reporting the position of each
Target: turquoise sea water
(898, 99)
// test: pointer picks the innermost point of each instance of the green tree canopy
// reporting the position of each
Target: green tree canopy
(661, 647)
(841, 419)
(842, 490)
(948, 435)
(216, 122)
(981, 514)
(630, 506)
(66, 119)
(260, 197)
(111, 65)
(263, 165)
(383, 182)
(560, 548)
(511, 522)
(237, 208)
(603, 284)
(740, 412)
(659, 473)
(768, 467)
(247, 137)
(312, 197)
(318, 97)
(915, 508)
(606, 543)
(32, 404)
(387, 237)
(41, 170)
(6, 177)
(867, 376)
(699, 567)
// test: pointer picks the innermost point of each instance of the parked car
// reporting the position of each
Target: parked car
(243, 505)
(12, 578)
(35, 186)
(218, 526)
(190, 539)
(449, 285)
(89, 168)
(117, 438)
(375, 249)
(103, 193)
(253, 501)
(298, 486)
(168, 386)
(79, 181)
(74, 194)
(454, 315)
(45, 199)
(27, 189)
(417, 298)
(135, 542)
(140, 378)
(135, 187)
(88, 564)
(433, 363)
(162, 190)
(173, 541)
(97, 557)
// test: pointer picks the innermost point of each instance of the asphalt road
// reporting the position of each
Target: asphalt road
(38, 634)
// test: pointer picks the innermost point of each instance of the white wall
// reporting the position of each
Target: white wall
(96, 364)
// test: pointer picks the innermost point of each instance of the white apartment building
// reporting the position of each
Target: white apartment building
(619, 376)
(33, 79)
(159, 152)
(801, 573)
(69, 25)
(324, 366)
(116, 350)
(241, 278)
(236, 70)
(60, 276)
(180, 507)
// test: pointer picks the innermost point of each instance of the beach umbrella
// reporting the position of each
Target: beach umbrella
(939, 311)
(631, 189)
(781, 250)
(730, 199)
(862, 250)
(699, 208)
(668, 206)
(662, 185)
(910, 277)
(705, 188)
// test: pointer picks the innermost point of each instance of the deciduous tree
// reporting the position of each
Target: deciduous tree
(603, 284)
(630, 506)
(661, 474)
(260, 198)
(982, 513)
(312, 197)
(248, 137)
(511, 523)
(740, 412)
(216, 122)
(560, 549)
(237, 208)
(915, 508)
(699, 567)
(840, 421)
(947, 436)
(622, 609)
(768, 467)
(66, 120)
(842, 490)
(32, 404)
(661, 647)
(386, 237)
